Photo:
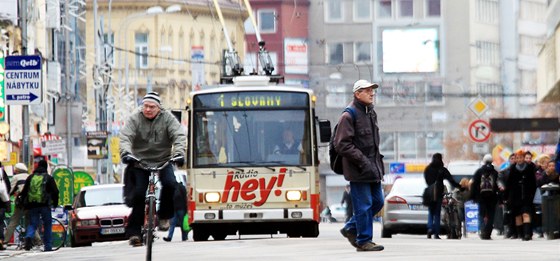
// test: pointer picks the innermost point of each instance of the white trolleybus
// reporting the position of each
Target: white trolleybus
(246, 173)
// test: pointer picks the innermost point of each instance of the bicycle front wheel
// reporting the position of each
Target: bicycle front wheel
(150, 227)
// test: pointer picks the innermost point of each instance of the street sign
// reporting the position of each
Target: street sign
(480, 148)
(23, 80)
(49, 147)
(479, 131)
(396, 167)
(478, 106)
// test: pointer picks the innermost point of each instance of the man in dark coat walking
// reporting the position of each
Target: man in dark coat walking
(485, 192)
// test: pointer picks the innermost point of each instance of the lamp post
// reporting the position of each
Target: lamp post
(155, 10)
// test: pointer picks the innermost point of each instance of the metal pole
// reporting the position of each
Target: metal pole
(69, 95)
(25, 108)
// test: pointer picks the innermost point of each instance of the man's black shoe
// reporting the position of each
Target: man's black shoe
(27, 245)
(350, 236)
(166, 239)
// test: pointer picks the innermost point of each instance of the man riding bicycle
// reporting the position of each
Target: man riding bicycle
(153, 135)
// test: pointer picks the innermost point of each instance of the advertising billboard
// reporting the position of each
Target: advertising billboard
(410, 50)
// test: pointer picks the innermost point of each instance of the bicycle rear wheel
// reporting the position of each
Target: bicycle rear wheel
(150, 227)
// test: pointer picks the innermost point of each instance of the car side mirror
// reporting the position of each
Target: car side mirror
(325, 130)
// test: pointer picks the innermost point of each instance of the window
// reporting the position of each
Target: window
(385, 9)
(141, 49)
(162, 50)
(334, 11)
(387, 146)
(434, 8)
(169, 48)
(335, 53)
(181, 47)
(532, 11)
(385, 94)
(362, 10)
(109, 43)
(406, 8)
(488, 53)
(407, 145)
(362, 52)
(267, 21)
(434, 142)
(434, 93)
(407, 93)
(487, 11)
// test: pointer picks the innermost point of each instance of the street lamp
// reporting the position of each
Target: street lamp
(154, 10)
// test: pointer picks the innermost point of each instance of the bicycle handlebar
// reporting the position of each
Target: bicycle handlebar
(142, 164)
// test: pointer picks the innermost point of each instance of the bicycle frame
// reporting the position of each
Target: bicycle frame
(150, 215)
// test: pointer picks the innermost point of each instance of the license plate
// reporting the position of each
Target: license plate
(417, 207)
(112, 230)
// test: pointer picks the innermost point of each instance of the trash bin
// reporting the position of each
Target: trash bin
(551, 210)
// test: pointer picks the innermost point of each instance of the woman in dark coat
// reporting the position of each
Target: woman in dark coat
(436, 172)
(520, 192)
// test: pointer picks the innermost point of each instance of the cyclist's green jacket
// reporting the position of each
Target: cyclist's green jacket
(154, 141)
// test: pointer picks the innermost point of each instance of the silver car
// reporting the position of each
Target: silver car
(403, 210)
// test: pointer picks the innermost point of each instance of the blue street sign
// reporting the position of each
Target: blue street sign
(396, 167)
(23, 80)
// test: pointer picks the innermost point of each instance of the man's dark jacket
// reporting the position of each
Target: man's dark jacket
(357, 141)
(50, 188)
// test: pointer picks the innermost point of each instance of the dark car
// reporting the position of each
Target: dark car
(98, 214)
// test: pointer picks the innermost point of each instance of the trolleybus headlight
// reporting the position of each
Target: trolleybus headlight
(212, 197)
(293, 195)
(209, 215)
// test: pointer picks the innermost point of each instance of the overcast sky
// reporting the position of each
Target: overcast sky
(9, 7)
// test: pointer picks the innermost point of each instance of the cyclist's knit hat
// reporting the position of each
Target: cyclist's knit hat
(153, 97)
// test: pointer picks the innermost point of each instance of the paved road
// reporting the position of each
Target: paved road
(329, 246)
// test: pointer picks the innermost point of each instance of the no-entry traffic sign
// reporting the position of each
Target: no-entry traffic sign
(479, 130)
(23, 80)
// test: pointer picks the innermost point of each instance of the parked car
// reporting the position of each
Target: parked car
(403, 210)
(98, 214)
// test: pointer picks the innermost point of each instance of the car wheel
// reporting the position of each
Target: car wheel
(386, 233)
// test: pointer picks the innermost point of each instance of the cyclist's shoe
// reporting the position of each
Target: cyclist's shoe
(166, 239)
(2, 246)
(163, 224)
(28, 244)
(135, 241)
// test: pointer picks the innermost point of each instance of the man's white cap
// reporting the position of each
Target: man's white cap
(361, 84)
(20, 166)
(487, 158)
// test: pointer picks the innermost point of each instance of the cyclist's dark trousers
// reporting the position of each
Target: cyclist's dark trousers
(141, 180)
(486, 211)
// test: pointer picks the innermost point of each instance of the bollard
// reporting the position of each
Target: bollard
(551, 210)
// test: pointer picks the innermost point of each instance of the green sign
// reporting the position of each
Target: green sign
(2, 96)
(81, 179)
(62, 178)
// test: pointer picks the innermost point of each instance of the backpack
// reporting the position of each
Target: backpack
(335, 159)
(486, 183)
(37, 189)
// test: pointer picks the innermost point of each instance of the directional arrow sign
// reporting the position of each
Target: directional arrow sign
(23, 80)
(21, 97)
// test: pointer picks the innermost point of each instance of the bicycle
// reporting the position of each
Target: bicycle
(148, 230)
(452, 216)
(58, 235)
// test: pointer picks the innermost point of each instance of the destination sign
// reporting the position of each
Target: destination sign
(251, 100)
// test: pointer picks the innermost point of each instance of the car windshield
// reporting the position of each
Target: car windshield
(409, 186)
(102, 197)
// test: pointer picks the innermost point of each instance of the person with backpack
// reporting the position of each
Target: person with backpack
(39, 195)
(357, 142)
(18, 182)
(5, 206)
(485, 193)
